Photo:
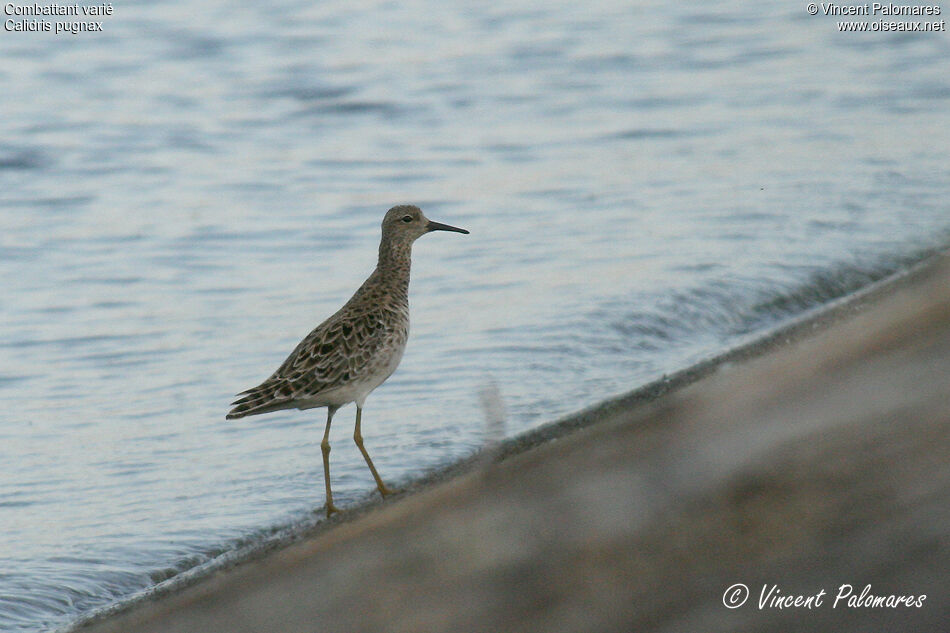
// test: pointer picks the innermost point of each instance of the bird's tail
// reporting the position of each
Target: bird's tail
(264, 398)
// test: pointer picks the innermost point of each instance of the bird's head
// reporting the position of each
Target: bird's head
(405, 223)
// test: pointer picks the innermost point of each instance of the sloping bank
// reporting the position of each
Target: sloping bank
(813, 459)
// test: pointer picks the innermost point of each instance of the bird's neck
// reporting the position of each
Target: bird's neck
(393, 266)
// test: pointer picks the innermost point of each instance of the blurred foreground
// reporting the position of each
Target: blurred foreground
(820, 463)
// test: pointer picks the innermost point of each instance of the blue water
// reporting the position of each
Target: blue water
(185, 195)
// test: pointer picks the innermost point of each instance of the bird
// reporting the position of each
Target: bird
(356, 349)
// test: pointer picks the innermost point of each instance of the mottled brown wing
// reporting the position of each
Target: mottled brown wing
(339, 351)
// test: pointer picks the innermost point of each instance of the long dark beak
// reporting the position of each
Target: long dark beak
(438, 226)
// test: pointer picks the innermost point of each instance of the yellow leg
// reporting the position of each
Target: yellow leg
(325, 447)
(358, 438)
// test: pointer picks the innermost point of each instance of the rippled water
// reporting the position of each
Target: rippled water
(186, 195)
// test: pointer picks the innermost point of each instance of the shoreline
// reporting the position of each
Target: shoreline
(201, 582)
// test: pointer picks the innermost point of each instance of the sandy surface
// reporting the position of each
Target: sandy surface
(810, 459)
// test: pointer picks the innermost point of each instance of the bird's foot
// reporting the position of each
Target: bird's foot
(385, 492)
(331, 508)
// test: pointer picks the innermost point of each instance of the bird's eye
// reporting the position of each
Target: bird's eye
(407, 218)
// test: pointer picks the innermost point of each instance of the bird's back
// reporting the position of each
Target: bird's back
(343, 358)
